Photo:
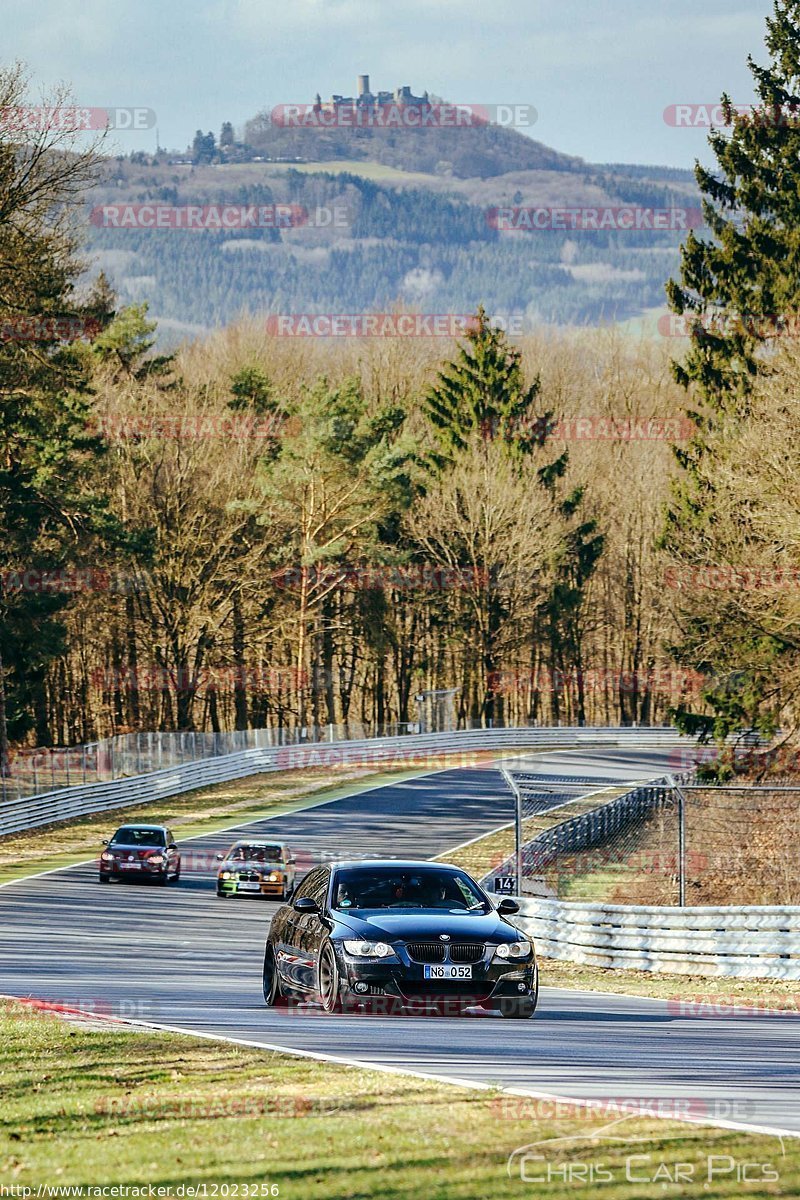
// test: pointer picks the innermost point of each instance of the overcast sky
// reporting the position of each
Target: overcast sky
(599, 72)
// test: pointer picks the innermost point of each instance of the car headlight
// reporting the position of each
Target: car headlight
(106, 857)
(156, 858)
(514, 950)
(369, 949)
(225, 875)
(273, 878)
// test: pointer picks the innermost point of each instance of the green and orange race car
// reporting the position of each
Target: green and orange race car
(256, 869)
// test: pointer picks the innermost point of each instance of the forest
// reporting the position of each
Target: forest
(374, 243)
(258, 531)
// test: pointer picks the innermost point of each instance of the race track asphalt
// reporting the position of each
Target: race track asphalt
(181, 958)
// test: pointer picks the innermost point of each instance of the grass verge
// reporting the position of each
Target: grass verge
(93, 1107)
(715, 996)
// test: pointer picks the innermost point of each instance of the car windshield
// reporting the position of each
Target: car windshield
(129, 835)
(248, 853)
(388, 887)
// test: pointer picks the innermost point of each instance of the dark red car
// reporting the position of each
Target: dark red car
(146, 852)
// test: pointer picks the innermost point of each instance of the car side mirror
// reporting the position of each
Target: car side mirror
(220, 857)
(172, 846)
(291, 860)
(104, 842)
(304, 904)
(507, 906)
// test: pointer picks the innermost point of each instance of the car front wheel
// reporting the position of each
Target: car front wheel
(270, 982)
(328, 983)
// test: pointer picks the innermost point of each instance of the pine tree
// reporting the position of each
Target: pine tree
(748, 275)
(483, 394)
(739, 289)
(125, 344)
(53, 507)
(483, 391)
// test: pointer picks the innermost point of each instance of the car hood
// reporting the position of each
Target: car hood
(138, 851)
(251, 865)
(409, 925)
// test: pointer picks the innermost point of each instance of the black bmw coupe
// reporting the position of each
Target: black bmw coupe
(399, 936)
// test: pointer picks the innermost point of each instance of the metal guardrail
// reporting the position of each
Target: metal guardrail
(30, 812)
(757, 942)
(754, 942)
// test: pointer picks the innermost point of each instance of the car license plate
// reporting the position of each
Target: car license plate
(249, 887)
(448, 972)
(131, 866)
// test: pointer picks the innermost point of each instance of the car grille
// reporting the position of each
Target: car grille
(426, 952)
(467, 952)
(436, 952)
(434, 988)
(249, 877)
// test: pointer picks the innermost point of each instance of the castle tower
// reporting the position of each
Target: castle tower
(363, 85)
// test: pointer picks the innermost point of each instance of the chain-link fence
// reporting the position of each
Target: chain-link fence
(570, 837)
(671, 842)
(33, 772)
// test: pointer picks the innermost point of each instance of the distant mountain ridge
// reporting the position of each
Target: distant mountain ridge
(465, 153)
(364, 128)
(417, 233)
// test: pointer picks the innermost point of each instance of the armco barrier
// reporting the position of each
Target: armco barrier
(758, 942)
(412, 750)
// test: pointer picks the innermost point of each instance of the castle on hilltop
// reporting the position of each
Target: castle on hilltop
(367, 100)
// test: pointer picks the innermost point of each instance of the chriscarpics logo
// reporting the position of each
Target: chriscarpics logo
(611, 1155)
